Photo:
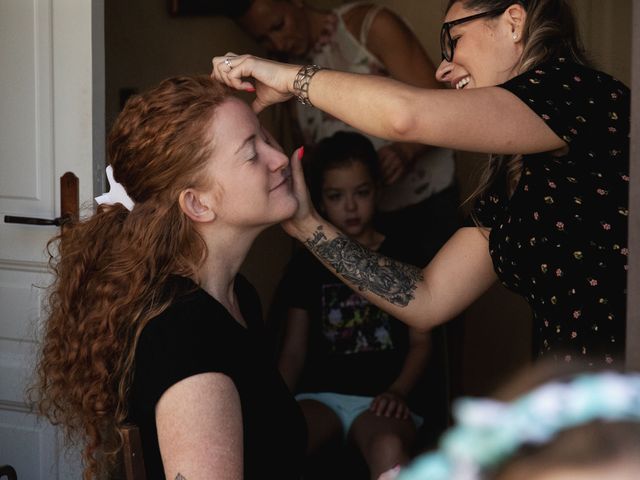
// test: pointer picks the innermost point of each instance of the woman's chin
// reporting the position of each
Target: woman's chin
(290, 210)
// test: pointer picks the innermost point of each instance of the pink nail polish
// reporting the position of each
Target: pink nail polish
(249, 89)
(300, 153)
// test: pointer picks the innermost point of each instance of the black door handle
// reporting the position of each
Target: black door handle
(68, 205)
(36, 221)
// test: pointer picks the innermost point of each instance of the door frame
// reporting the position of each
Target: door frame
(633, 278)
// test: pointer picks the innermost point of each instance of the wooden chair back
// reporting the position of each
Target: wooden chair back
(132, 459)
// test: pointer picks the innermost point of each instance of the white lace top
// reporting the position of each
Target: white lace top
(432, 172)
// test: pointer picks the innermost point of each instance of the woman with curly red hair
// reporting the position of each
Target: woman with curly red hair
(149, 321)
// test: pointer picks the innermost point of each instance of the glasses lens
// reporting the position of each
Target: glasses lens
(445, 44)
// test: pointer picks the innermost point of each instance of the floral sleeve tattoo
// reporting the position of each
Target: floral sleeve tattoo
(366, 270)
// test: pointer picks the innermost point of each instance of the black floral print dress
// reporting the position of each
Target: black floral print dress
(561, 239)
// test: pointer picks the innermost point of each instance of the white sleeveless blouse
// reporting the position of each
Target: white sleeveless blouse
(432, 172)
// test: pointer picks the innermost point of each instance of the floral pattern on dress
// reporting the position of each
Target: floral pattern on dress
(561, 239)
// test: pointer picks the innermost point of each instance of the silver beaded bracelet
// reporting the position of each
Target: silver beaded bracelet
(301, 83)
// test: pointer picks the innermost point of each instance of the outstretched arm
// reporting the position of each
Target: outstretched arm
(458, 275)
(460, 272)
(490, 120)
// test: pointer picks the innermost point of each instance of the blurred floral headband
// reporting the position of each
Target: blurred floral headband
(116, 193)
(489, 431)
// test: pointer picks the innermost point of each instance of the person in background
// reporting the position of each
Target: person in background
(417, 195)
(149, 322)
(352, 366)
(579, 426)
(551, 212)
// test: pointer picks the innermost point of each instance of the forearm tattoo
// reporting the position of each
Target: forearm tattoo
(180, 477)
(366, 270)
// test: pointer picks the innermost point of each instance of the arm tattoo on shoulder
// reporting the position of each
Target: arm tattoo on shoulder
(366, 270)
(180, 477)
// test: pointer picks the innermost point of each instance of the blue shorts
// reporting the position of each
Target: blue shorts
(348, 407)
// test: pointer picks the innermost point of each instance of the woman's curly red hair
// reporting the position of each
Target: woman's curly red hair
(111, 269)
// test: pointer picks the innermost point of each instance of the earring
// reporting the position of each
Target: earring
(515, 36)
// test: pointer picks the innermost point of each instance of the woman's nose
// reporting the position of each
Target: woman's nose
(278, 160)
(443, 74)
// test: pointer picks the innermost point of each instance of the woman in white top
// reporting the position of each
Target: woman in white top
(418, 194)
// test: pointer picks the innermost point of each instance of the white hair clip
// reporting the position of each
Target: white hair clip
(116, 193)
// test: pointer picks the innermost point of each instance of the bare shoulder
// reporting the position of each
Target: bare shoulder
(393, 42)
(389, 32)
(385, 22)
(212, 385)
(197, 400)
(199, 424)
(354, 18)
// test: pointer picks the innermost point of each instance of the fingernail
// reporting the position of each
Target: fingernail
(249, 89)
(300, 153)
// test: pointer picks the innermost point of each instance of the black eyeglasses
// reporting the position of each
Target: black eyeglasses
(448, 44)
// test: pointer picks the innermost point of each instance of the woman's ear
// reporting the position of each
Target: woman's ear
(516, 16)
(195, 206)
